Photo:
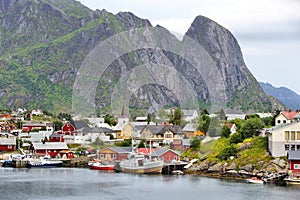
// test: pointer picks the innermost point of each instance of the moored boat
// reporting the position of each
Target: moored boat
(138, 164)
(44, 162)
(255, 180)
(292, 180)
(99, 165)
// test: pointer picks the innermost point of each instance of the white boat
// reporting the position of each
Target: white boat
(44, 162)
(177, 172)
(255, 180)
(138, 164)
(291, 180)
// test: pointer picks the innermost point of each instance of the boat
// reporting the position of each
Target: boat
(177, 172)
(44, 161)
(100, 165)
(139, 164)
(292, 180)
(255, 180)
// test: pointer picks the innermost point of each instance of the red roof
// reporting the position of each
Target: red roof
(289, 114)
(145, 150)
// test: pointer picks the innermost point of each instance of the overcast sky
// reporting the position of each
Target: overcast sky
(268, 31)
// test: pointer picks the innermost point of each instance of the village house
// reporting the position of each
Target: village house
(167, 155)
(67, 129)
(294, 161)
(191, 131)
(286, 117)
(46, 126)
(89, 135)
(180, 144)
(189, 115)
(50, 148)
(122, 131)
(284, 138)
(161, 134)
(115, 153)
(7, 144)
(5, 116)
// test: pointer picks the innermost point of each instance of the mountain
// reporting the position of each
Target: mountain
(283, 94)
(44, 44)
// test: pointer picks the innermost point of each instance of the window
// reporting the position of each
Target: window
(296, 166)
(298, 135)
(298, 147)
(292, 147)
(278, 121)
(114, 156)
(102, 156)
(287, 147)
(284, 121)
(287, 135)
(293, 135)
(9, 146)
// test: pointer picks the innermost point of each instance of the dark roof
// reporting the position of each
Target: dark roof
(161, 129)
(293, 155)
(80, 124)
(94, 130)
(121, 149)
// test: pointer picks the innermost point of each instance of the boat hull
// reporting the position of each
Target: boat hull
(41, 165)
(290, 181)
(153, 170)
(103, 167)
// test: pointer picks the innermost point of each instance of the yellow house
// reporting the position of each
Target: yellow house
(191, 131)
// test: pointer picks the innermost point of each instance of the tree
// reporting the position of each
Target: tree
(203, 123)
(214, 127)
(251, 127)
(222, 115)
(57, 125)
(195, 143)
(162, 114)
(176, 117)
(142, 144)
(109, 120)
(225, 131)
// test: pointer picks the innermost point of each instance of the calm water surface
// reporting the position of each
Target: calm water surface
(65, 183)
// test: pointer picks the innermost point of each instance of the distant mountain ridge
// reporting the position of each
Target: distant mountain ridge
(288, 97)
(44, 44)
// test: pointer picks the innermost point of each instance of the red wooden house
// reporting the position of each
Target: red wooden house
(7, 144)
(38, 126)
(56, 138)
(67, 129)
(168, 155)
(294, 161)
(115, 153)
(50, 148)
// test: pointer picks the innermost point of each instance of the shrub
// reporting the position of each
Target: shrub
(236, 138)
(227, 152)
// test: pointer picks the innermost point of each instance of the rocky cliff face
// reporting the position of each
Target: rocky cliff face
(43, 44)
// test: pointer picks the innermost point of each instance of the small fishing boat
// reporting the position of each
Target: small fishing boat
(101, 166)
(177, 172)
(292, 180)
(255, 180)
(44, 162)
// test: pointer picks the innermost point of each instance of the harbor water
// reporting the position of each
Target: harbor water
(74, 183)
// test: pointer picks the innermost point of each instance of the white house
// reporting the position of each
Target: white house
(283, 138)
(189, 115)
(286, 117)
(89, 135)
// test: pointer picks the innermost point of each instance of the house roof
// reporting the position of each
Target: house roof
(7, 141)
(161, 151)
(188, 112)
(290, 114)
(161, 129)
(49, 145)
(94, 130)
(281, 126)
(80, 124)
(293, 155)
(190, 127)
(121, 149)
